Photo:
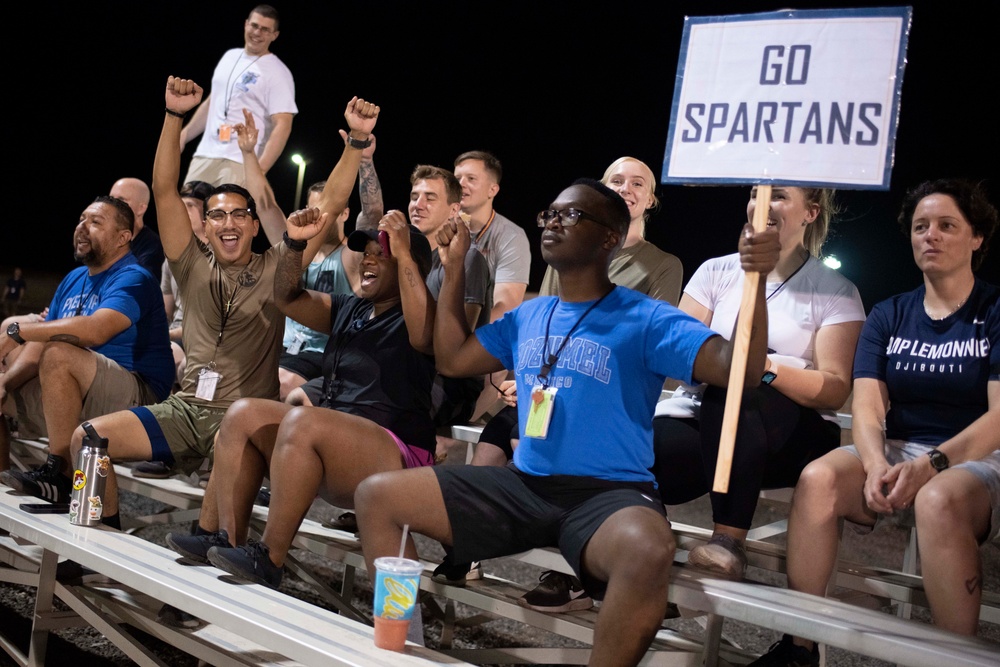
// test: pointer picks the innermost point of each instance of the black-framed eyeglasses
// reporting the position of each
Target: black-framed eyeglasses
(566, 217)
(237, 214)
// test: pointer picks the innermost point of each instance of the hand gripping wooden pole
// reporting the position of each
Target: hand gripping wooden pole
(741, 343)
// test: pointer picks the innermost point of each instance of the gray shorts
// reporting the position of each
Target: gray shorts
(114, 388)
(181, 434)
(987, 470)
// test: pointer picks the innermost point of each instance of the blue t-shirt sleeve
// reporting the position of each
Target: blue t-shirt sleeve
(673, 341)
(496, 338)
(870, 359)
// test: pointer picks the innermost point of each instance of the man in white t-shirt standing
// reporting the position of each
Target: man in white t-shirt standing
(248, 78)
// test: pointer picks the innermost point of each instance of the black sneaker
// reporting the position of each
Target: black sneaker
(152, 470)
(456, 574)
(263, 497)
(46, 481)
(251, 562)
(195, 547)
(556, 592)
(787, 654)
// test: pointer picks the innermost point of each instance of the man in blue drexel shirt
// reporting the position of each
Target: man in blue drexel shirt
(591, 363)
(103, 347)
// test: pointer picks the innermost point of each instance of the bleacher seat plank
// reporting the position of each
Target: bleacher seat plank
(293, 628)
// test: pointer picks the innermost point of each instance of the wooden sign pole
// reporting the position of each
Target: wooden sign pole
(741, 343)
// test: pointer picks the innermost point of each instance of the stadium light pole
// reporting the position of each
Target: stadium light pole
(301, 162)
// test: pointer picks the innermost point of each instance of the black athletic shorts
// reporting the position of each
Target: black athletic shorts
(497, 511)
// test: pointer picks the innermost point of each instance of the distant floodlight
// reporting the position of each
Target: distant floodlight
(301, 162)
(832, 262)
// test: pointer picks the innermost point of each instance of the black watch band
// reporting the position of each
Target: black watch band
(297, 245)
(358, 143)
(939, 461)
(14, 331)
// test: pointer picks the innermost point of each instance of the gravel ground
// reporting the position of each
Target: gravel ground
(84, 646)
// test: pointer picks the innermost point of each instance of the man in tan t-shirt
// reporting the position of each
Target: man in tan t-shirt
(232, 328)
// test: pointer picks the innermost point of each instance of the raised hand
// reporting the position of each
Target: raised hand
(361, 116)
(246, 133)
(394, 224)
(368, 153)
(182, 95)
(453, 241)
(306, 224)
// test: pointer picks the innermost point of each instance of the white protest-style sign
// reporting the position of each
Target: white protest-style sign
(789, 97)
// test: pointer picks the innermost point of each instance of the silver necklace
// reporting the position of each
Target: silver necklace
(946, 315)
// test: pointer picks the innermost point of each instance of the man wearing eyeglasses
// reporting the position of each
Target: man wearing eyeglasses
(232, 327)
(249, 78)
(589, 364)
(103, 347)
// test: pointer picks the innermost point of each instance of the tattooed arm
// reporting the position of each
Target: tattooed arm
(307, 307)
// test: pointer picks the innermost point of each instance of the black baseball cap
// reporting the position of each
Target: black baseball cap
(420, 249)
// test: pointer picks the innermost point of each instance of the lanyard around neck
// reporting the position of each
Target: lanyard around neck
(543, 374)
(482, 231)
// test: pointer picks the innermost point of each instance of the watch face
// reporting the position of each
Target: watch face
(768, 377)
(938, 460)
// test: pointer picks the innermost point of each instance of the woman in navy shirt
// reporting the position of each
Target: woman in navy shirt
(926, 420)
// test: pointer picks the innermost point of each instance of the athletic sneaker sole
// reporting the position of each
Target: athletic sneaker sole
(227, 566)
(196, 558)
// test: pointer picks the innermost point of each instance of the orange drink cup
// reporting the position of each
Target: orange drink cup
(397, 582)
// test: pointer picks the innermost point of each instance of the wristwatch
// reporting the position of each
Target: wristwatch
(358, 143)
(768, 377)
(938, 460)
(14, 331)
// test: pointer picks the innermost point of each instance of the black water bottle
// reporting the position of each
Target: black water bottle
(90, 479)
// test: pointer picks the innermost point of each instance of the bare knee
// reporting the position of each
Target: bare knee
(941, 509)
(641, 554)
(57, 357)
(238, 418)
(374, 494)
(298, 427)
(817, 486)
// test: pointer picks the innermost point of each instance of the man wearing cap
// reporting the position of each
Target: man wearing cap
(373, 415)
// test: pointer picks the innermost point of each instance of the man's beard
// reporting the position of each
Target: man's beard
(88, 258)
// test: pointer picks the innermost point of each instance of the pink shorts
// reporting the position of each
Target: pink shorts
(413, 457)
